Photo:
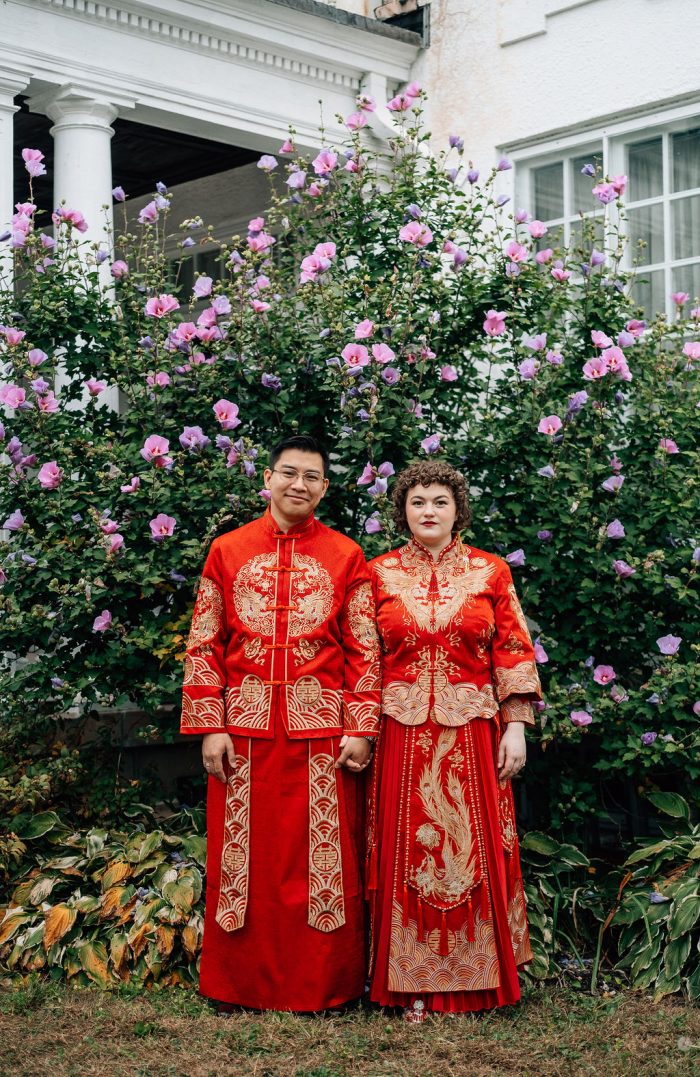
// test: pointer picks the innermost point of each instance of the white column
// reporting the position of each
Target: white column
(82, 156)
(10, 85)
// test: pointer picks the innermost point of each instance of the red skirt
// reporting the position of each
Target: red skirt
(448, 924)
(284, 848)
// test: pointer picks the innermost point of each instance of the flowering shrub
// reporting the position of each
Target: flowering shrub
(395, 305)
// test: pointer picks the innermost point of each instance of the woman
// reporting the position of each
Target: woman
(448, 913)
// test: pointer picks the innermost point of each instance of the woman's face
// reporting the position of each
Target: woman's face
(431, 514)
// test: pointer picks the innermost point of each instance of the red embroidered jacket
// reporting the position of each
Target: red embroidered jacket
(455, 642)
(283, 626)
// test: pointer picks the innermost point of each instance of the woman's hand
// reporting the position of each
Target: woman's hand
(355, 754)
(215, 748)
(512, 751)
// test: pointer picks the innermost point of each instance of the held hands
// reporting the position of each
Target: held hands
(355, 754)
(215, 748)
(511, 751)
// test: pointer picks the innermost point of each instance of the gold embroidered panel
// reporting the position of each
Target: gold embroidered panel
(519, 680)
(235, 853)
(517, 710)
(310, 594)
(326, 900)
(309, 706)
(254, 591)
(248, 705)
(206, 620)
(415, 964)
(362, 716)
(362, 621)
(517, 922)
(434, 593)
(445, 861)
(517, 610)
(206, 713)
(456, 704)
(199, 672)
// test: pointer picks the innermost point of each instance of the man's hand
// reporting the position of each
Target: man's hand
(355, 754)
(215, 748)
(511, 751)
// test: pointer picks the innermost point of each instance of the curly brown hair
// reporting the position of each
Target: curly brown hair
(425, 473)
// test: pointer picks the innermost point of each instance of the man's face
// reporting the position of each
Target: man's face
(296, 485)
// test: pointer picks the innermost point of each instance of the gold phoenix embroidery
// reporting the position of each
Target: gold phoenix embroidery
(206, 619)
(310, 594)
(517, 680)
(206, 713)
(444, 801)
(416, 965)
(235, 853)
(517, 610)
(326, 902)
(453, 704)
(457, 581)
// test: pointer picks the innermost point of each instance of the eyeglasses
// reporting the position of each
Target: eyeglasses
(290, 474)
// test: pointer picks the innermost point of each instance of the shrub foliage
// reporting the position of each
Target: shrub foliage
(392, 303)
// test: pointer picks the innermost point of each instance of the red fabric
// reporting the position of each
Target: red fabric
(283, 625)
(388, 761)
(276, 961)
(448, 910)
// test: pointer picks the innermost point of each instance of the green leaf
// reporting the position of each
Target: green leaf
(676, 955)
(685, 916)
(569, 854)
(647, 851)
(692, 984)
(666, 985)
(35, 826)
(536, 842)
(670, 804)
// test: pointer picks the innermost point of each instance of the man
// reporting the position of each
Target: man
(282, 678)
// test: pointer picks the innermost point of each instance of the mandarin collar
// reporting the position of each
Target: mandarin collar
(426, 555)
(299, 529)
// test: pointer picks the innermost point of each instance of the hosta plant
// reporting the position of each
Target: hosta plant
(659, 910)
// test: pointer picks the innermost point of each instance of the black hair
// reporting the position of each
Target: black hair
(302, 442)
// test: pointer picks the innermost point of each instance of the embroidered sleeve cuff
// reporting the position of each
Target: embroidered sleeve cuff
(521, 680)
(202, 715)
(517, 710)
(361, 717)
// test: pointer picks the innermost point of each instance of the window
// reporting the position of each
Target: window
(560, 194)
(662, 203)
(663, 211)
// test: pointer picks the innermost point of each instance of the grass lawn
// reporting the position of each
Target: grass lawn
(50, 1030)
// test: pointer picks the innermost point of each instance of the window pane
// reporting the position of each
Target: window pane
(583, 185)
(686, 160)
(553, 239)
(548, 190)
(687, 279)
(645, 169)
(646, 226)
(648, 290)
(686, 227)
(208, 263)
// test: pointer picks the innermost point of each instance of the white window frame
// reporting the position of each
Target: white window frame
(613, 137)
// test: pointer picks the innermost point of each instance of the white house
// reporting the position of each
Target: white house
(190, 91)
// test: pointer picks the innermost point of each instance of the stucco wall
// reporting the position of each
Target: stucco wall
(504, 71)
